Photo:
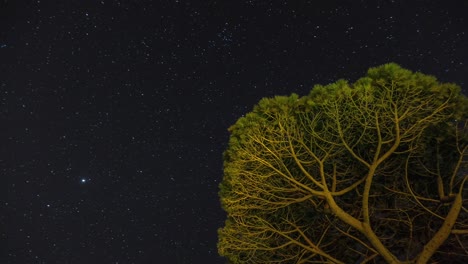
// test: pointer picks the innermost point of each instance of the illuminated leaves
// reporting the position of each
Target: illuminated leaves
(349, 172)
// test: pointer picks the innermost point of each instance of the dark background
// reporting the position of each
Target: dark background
(114, 114)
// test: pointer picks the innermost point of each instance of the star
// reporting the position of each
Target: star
(134, 114)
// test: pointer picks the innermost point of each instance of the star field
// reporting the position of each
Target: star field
(115, 113)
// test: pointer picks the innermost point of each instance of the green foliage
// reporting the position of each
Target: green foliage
(303, 175)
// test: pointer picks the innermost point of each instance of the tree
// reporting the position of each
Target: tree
(368, 172)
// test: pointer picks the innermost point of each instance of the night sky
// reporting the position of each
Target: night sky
(115, 113)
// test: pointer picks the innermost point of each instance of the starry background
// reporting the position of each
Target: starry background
(115, 113)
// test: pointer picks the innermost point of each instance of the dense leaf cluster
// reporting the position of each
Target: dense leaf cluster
(368, 171)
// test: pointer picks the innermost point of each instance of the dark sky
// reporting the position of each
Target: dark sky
(115, 113)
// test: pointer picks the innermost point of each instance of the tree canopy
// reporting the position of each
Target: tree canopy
(366, 172)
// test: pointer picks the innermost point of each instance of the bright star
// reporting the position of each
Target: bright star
(83, 180)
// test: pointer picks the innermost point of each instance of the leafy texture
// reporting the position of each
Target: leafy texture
(368, 172)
